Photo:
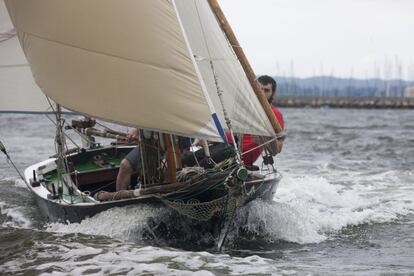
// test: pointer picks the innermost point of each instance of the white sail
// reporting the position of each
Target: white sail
(132, 62)
(18, 91)
(209, 45)
(124, 62)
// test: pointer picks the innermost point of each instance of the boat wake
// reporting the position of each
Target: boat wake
(329, 207)
(306, 210)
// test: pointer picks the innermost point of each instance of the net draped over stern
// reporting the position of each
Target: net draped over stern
(201, 211)
(213, 192)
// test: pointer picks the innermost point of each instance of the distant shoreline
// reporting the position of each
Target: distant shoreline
(345, 102)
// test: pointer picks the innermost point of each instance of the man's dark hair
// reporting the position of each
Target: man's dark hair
(265, 80)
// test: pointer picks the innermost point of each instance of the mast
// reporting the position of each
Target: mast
(225, 26)
(172, 158)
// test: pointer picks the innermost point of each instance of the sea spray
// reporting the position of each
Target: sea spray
(142, 223)
(273, 222)
(331, 207)
(13, 216)
(120, 223)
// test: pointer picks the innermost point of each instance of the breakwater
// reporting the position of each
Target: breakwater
(345, 102)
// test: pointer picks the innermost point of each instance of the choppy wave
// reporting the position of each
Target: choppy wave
(330, 207)
(65, 256)
(13, 216)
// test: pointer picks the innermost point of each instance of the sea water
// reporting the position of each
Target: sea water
(345, 206)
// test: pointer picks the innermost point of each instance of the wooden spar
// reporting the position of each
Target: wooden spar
(171, 157)
(106, 134)
(225, 26)
(155, 190)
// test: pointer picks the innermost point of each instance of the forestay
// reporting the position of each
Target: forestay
(18, 91)
(132, 62)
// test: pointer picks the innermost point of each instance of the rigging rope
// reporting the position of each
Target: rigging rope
(280, 135)
(219, 91)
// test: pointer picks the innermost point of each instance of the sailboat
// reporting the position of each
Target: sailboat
(169, 68)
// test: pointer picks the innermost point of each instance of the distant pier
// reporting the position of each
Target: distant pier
(345, 102)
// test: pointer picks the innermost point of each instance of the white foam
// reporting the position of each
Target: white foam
(129, 259)
(120, 223)
(275, 222)
(19, 183)
(322, 207)
(310, 207)
(14, 216)
(8, 179)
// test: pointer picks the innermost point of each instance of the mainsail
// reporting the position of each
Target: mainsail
(18, 91)
(153, 64)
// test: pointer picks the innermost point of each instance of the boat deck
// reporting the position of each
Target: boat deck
(81, 174)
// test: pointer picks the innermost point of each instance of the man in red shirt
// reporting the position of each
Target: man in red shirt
(268, 86)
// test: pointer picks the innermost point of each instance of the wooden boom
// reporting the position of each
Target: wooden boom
(155, 190)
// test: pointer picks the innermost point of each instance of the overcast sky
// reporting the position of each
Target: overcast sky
(358, 38)
(345, 38)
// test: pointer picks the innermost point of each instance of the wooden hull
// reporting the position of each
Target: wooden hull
(71, 213)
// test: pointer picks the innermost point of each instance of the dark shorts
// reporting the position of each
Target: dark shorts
(134, 158)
